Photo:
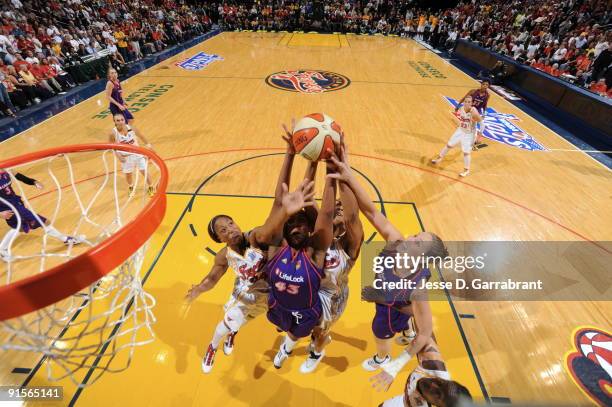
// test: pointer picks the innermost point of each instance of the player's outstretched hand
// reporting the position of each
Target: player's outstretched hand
(342, 170)
(288, 137)
(6, 215)
(303, 196)
(382, 381)
(193, 293)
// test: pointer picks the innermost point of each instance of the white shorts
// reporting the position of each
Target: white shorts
(132, 162)
(397, 401)
(466, 140)
(243, 307)
(333, 304)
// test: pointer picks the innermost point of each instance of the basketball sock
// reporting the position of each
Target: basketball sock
(467, 159)
(219, 334)
(53, 232)
(289, 344)
(443, 152)
(6, 240)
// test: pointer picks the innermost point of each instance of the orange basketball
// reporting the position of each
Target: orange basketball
(314, 134)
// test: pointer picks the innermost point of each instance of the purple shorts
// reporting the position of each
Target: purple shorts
(126, 113)
(28, 220)
(388, 321)
(299, 323)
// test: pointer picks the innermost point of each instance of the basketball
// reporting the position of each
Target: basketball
(314, 134)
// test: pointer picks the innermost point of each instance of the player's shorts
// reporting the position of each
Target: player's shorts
(243, 307)
(299, 323)
(397, 401)
(126, 113)
(28, 219)
(466, 140)
(133, 162)
(388, 321)
(333, 304)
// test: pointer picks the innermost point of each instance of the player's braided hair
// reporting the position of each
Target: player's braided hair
(454, 393)
(211, 227)
(438, 248)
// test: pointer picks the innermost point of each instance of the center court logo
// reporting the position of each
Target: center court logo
(500, 127)
(590, 365)
(308, 81)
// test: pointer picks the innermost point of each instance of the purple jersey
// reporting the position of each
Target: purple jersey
(294, 279)
(479, 99)
(399, 298)
(117, 93)
(28, 219)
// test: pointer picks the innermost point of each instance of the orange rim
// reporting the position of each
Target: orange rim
(46, 288)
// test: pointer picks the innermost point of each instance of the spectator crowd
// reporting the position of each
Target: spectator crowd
(41, 39)
(570, 39)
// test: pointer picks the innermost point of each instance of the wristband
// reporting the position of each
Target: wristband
(397, 364)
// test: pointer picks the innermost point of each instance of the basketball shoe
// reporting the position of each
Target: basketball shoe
(209, 359)
(281, 356)
(372, 364)
(311, 362)
(228, 345)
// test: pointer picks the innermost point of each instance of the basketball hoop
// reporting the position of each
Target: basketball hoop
(79, 306)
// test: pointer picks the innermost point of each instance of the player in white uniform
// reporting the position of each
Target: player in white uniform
(428, 384)
(340, 258)
(244, 255)
(123, 133)
(465, 134)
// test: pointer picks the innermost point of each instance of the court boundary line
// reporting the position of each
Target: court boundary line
(466, 342)
(524, 112)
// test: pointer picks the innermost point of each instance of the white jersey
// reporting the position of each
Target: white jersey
(465, 120)
(128, 138)
(415, 399)
(245, 267)
(337, 262)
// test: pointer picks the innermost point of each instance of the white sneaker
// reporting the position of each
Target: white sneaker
(228, 344)
(311, 362)
(5, 256)
(407, 335)
(372, 364)
(465, 173)
(208, 359)
(436, 160)
(74, 240)
(280, 357)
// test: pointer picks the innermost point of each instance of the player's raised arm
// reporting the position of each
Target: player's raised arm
(323, 233)
(212, 278)
(377, 219)
(285, 174)
(354, 228)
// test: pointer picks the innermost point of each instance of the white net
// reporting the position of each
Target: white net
(96, 329)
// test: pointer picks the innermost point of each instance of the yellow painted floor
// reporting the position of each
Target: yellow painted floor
(219, 129)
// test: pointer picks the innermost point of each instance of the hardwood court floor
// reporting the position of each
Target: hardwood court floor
(395, 118)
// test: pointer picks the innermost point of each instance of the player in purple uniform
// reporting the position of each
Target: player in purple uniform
(13, 210)
(390, 306)
(480, 99)
(114, 94)
(295, 271)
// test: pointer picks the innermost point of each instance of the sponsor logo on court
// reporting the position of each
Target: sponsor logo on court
(501, 127)
(590, 363)
(425, 70)
(308, 81)
(143, 97)
(198, 62)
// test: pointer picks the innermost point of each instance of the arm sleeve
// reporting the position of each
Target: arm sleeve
(24, 179)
